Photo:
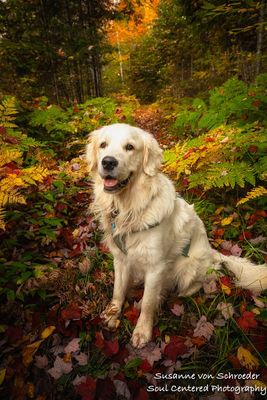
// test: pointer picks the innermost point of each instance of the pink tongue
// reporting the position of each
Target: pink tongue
(110, 182)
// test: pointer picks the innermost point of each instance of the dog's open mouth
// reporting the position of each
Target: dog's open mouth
(112, 185)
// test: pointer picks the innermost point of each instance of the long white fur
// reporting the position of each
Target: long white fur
(153, 255)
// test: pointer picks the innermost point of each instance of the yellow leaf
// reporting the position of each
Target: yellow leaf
(227, 220)
(47, 332)
(246, 358)
(167, 339)
(225, 289)
(256, 383)
(2, 375)
(29, 351)
(219, 210)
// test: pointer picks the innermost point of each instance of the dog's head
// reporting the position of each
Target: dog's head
(119, 152)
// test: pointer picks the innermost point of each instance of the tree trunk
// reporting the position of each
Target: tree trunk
(260, 33)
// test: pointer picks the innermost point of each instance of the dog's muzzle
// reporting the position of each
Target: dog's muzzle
(112, 184)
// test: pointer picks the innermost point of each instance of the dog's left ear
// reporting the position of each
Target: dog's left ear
(152, 155)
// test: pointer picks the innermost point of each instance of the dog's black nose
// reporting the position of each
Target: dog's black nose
(109, 163)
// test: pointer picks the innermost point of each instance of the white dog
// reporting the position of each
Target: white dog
(155, 236)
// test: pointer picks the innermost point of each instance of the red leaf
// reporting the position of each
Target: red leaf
(225, 280)
(111, 347)
(209, 139)
(76, 250)
(256, 103)
(145, 366)
(73, 311)
(245, 235)
(11, 139)
(234, 361)
(218, 233)
(87, 389)
(99, 340)
(68, 237)
(132, 314)
(187, 154)
(247, 321)
(175, 348)
(253, 149)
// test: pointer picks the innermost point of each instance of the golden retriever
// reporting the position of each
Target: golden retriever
(154, 235)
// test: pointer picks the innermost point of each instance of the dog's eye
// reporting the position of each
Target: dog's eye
(129, 147)
(103, 145)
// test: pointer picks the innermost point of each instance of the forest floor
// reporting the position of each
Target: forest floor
(54, 346)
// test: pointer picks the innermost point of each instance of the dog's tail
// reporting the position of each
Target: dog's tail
(248, 275)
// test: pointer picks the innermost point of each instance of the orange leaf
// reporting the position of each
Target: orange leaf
(29, 351)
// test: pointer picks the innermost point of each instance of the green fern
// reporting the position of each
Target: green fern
(7, 112)
(224, 175)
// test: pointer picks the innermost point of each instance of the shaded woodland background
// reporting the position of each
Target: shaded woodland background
(194, 74)
(72, 50)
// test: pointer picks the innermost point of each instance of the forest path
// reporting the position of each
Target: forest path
(156, 120)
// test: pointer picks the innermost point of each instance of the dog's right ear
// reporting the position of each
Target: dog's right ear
(91, 151)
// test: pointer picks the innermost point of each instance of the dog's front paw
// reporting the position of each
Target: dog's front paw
(110, 316)
(141, 336)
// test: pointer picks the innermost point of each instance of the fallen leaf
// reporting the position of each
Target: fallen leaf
(73, 311)
(29, 351)
(30, 390)
(111, 347)
(73, 346)
(247, 321)
(82, 358)
(87, 389)
(204, 328)
(227, 220)
(177, 309)
(47, 332)
(122, 389)
(132, 314)
(60, 367)
(226, 309)
(78, 380)
(176, 347)
(246, 358)
(210, 286)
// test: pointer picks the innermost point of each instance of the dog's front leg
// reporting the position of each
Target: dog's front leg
(152, 296)
(113, 309)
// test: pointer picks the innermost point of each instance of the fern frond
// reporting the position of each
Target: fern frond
(7, 155)
(34, 174)
(253, 194)
(7, 112)
(2, 216)
(224, 175)
(11, 197)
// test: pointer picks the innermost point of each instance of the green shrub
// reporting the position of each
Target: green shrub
(234, 101)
